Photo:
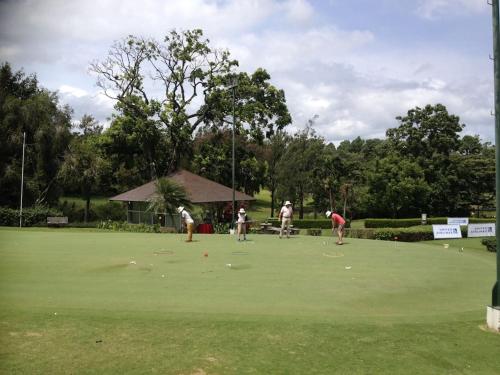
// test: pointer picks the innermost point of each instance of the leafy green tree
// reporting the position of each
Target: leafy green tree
(137, 150)
(159, 125)
(169, 195)
(88, 125)
(183, 66)
(397, 188)
(427, 131)
(429, 136)
(470, 145)
(295, 170)
(84, 167)
(325, 178)
(25, 107)
(260, 108)
(274, 149)
(213, 160)
(473, 181)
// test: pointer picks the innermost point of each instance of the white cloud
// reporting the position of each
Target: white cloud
(72, 91)
(432, 9)
(346, 75)
(84, 103)
(298, 10)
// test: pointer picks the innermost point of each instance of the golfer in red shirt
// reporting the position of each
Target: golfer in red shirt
(340, 221)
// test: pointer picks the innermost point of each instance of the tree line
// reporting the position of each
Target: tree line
(175, 101)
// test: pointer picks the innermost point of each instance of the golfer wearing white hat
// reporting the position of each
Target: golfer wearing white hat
(188, 220)
(242, 225)
(340, 222)
(286, 216)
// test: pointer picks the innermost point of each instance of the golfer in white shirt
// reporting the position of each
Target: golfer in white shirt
(188, 221)
(242, 224)
(286, 216)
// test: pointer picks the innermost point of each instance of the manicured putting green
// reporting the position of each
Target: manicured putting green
(61, 289)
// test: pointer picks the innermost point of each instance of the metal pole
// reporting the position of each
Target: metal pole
(232, 214)
(496, 54)
(22, 184)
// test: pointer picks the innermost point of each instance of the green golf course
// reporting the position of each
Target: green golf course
(79, 301)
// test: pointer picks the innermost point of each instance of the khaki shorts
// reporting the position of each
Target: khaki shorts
(285, 222)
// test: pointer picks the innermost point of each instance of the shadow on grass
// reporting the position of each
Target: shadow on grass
(110, 268)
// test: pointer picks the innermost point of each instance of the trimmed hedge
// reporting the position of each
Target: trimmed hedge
(405, 223)
(36, 215)
(114, 211)
(313, 232)
(306, 223)
(127, 227)
(490, 243)
(414, 234)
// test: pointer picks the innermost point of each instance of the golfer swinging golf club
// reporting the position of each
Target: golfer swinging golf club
(188, 221)
(242, 224)
(286, 216)
(340, 221)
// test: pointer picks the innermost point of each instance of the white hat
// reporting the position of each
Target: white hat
(288, 203)
(328, 213)
(242, 210)
(179, 210)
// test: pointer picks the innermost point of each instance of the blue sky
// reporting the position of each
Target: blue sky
(356, 64)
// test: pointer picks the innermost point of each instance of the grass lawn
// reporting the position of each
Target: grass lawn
(98, 302)
(260, 209)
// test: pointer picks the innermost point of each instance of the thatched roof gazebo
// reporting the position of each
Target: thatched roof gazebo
(199, 189)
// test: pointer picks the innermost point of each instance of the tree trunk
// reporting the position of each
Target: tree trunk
(87, 208)
(301, 197)
(345, 204)
(272, 201)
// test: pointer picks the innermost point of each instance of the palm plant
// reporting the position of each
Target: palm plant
(169, 195)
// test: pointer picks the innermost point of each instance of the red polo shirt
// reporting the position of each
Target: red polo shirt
(336, 218)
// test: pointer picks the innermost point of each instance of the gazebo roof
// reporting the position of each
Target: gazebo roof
(199, 189)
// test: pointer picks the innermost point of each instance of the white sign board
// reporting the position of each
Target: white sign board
(424, 219)
(481, 230)
(446, 231)
(458, 220)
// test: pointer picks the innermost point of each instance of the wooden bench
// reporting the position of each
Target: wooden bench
(57, 221)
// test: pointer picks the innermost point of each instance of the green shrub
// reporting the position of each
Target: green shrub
(314, 232)
(109, 211)
(306, 223)
(75, 212)
(413, 234)
(365, 233)
(405, 223)
(168, 230)
(114, 211)
(391, 223)
(221, 228)
(36, 215)
(490, 243)
(123, 226)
